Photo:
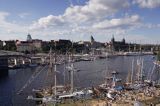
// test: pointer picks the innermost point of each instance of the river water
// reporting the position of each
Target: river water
(91, 73)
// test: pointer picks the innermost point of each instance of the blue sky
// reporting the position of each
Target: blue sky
(136, 20)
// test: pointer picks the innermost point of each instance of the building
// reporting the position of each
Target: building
(119, 45)
(85, 43)
(95, 44)
(1, 45)
(25, 46)
(37, 44)
(82, 46)
(89, 46)
(30, 45)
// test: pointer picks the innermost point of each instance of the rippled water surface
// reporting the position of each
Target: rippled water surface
(91, 73)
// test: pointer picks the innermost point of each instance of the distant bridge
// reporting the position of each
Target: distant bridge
(6, 56)
(4, 53)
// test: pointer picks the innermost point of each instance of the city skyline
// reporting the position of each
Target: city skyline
(134, 20)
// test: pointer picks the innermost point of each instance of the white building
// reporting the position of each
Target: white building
(29, 45)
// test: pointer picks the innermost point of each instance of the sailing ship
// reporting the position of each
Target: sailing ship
(58, 93)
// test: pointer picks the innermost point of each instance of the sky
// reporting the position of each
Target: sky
(138, 21)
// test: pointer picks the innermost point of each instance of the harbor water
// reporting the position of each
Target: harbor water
(91, 73)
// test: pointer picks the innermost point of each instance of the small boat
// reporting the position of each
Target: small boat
(85, 59)
(114, 72)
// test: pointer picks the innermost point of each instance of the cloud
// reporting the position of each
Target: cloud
(158, 25)
(125, 22)
(139, 38)
(92, 11)
(150, 25)
(49, 21)
(9, 28)
(91, 18)
(147, 3)
(24, 15)
(80, 21)
(3, 15)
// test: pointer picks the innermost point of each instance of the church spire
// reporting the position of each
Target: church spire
(112, 40)
(92, 39)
